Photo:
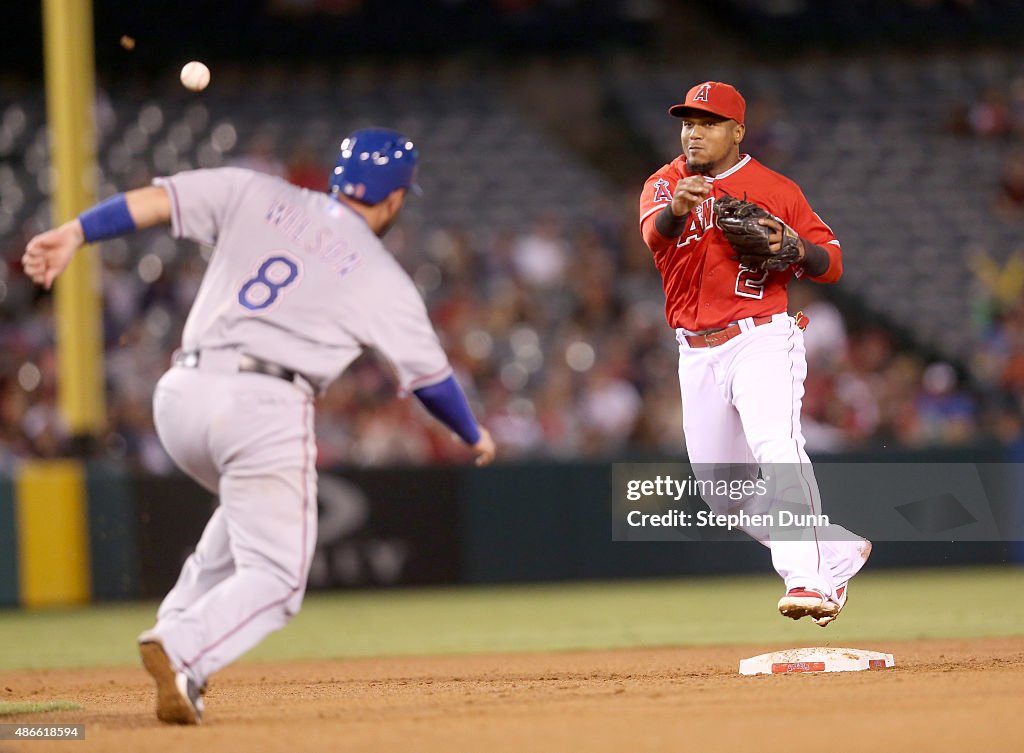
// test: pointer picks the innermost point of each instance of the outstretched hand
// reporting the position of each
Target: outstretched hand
(48, 254)
(484, 448)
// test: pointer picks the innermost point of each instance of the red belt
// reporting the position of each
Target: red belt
(724, 335)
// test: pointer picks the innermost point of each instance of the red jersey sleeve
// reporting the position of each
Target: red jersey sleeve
(809, 225)
(657, 194)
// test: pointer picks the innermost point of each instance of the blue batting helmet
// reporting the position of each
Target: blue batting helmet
(372, 163)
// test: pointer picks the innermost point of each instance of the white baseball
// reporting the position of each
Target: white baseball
(195, 76)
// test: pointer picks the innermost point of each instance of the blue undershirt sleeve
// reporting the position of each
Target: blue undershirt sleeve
(108, 219)
(447, 403)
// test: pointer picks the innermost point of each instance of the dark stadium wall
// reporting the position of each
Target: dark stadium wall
(8, 545)
(387, 527)
(113, 531)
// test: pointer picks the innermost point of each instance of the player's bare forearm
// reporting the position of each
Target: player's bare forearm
(49, 253)
(149, 206)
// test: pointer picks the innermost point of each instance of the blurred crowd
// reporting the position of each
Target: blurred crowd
(997, 114)
(557, 330)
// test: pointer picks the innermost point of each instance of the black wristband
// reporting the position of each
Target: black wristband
(816, 260)
(669, 224)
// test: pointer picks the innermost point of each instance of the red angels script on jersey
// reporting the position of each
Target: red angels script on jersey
(702, 93)
(702, 219)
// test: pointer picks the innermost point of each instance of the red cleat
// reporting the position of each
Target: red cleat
(803, 602)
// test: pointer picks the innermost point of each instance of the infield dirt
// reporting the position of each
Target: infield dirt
(941, 696)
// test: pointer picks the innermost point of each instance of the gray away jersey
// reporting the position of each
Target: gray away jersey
(298, 279)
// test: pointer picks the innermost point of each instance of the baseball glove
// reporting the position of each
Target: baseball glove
(738, 221)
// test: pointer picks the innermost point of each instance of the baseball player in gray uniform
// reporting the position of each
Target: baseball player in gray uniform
(298, 285)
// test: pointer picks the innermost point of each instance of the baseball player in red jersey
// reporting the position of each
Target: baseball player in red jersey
(741, 356)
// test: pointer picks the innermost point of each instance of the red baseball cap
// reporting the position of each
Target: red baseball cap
(713, 97)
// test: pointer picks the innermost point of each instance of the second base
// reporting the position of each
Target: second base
(799, 660)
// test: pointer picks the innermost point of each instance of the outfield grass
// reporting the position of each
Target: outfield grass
(10, 708)
(884, 605)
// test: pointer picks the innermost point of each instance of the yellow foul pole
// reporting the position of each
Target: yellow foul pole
(70, 94)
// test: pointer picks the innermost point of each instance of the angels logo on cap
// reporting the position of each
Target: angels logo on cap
(715, 98)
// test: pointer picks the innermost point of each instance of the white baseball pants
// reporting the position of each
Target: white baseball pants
(741, 407)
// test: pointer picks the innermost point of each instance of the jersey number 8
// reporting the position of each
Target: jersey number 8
(274, 275)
